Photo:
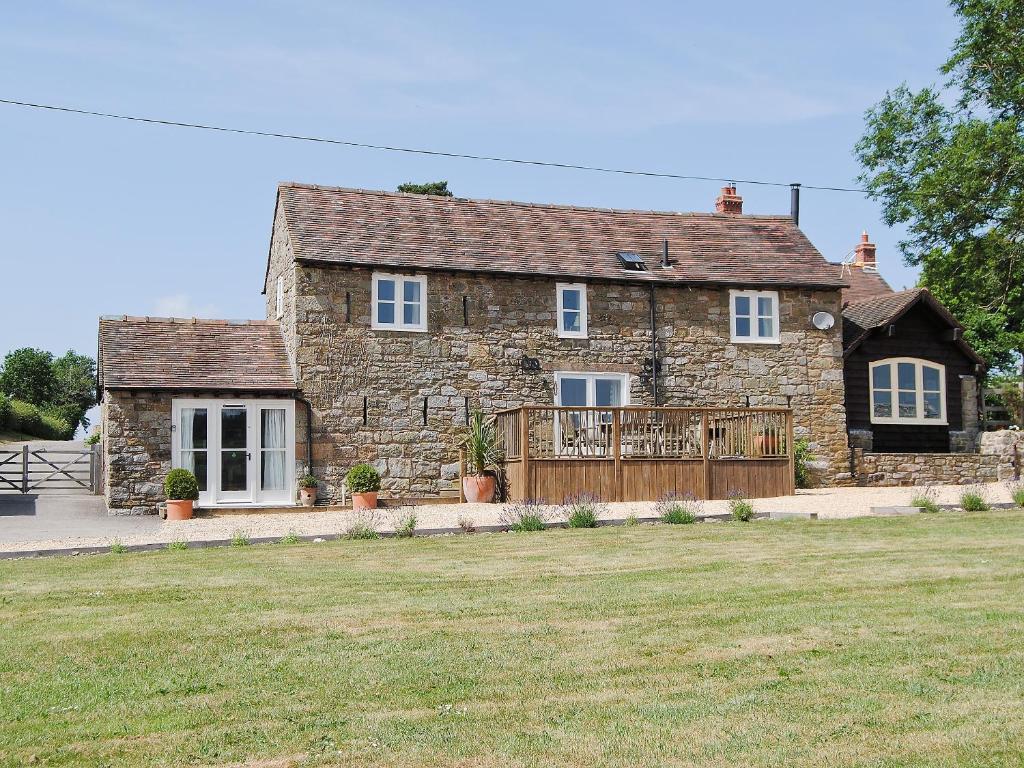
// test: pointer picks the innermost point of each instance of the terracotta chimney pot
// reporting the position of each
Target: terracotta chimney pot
(728, 201)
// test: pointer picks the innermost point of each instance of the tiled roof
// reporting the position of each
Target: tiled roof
(864, 284)
(396, 230)
(170, 353)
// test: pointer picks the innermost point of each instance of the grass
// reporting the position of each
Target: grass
(648, 645)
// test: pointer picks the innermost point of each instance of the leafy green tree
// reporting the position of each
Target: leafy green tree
(74, 387)
(439, 188)
(948, 162)
(27, 374)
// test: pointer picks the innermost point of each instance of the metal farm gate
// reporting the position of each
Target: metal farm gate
(70, 470)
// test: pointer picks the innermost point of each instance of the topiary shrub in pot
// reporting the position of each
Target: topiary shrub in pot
(307, 490)
(480, 445)
(363, 482)
(182, 490)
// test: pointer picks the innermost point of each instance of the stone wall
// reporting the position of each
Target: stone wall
(890, 469)
(346, 369)
(1007, 445)
(281, 263)
(136, 450)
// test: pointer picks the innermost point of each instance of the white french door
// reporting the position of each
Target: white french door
(241, 451)
(585, 433)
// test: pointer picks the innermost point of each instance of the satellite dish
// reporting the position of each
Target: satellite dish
(823, 321)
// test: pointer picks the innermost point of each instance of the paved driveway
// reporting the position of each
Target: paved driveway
(39, 517)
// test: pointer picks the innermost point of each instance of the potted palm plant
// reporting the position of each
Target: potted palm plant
(307, 490)
(363, 481)
(481, 450)
(182, 490)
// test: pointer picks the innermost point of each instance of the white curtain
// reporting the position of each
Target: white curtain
(274, 449)
(188, 458)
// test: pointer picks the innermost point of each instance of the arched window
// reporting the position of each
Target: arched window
(905, 390)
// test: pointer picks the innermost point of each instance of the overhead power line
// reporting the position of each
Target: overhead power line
(416, 151)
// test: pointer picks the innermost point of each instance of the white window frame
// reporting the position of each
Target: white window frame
(563, 332)
(894, 391)
(591, 377)
(400, 282)
(754, 338)
(253, 494)
(280, 296)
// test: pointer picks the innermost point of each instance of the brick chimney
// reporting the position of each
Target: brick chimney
(729, 201)
(864, 255)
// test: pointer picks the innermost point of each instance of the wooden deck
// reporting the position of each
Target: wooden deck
(643, 454)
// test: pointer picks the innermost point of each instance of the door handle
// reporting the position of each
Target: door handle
(248, 456)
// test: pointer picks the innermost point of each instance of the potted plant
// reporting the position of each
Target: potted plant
(307, 490)
(182, 490)
(363, 482)
(766, 442)
(480, 445)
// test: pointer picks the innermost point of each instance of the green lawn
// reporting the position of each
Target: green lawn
(875, 642)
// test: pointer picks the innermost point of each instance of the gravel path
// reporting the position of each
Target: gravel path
(827, 503)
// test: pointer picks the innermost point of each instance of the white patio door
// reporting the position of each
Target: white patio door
(241, 451)
(584, 432)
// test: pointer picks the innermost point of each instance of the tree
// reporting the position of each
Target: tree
(948, 162)
(27, 374)
(74, 387)
(439, 188)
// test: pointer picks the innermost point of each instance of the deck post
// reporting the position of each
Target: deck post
(617, 451)
(791, 450)
(524, 449)
(704, 450)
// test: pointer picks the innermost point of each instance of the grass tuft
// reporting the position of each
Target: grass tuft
(405, 528)
(740, 509)
(525, 516)
(290, 538)
(679, 509)
(177, 546)
(584, 510)
(973, 500)
(117, 547)
(925, 499)
(240, 538)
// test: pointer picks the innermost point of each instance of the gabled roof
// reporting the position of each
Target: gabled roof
(191, 354)
(333, 225)
(861, 319)
(864, 284)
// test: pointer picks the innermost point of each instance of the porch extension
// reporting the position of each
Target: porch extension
(643, 454)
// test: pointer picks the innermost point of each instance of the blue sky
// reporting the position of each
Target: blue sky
(104, 217)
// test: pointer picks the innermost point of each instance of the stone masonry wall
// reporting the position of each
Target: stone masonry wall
(281, 263)
(344, 365)
(136, 450)
(899, 469)
(1007, 445)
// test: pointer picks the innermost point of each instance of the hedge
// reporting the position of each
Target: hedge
(18, 416)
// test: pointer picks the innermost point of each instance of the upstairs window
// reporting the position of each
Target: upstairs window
(905, 390)
(572, 310)
(754, 316)
(280, 297)
(399, 302)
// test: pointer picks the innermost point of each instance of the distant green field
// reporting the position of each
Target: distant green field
(869, 642)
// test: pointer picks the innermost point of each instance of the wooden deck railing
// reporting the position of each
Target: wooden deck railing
(627, 451)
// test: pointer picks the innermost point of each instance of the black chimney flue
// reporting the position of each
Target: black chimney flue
(664, 253)
(794, 202)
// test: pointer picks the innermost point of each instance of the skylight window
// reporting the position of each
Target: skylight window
(631, 261)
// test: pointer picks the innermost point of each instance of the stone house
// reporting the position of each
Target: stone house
(391, 317)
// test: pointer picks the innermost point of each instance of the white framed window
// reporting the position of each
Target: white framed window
(905, 390)
(399, 302)
(591, 390)
(280, 296)
(572, 310)
(754, 317)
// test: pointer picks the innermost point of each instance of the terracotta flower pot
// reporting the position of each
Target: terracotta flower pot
(307, 496)
(478, 489)
(766, 445)
(366, 500)
(179, 509)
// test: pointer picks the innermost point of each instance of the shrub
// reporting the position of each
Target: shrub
(973, 500)
(679, 509)
(925, 499)
(5, 409)
(529, 515)
(308, 481)
(1017, 493)
(290, 538)
(584, 509)
(801, 457)
(26, 418)
(632, 519)
(117, 547)
(240, 538)
(177, 546)
(55, 426)
(181, 485)
(94, 438)
(361, 530)
(740, 509)
(406, 526)
(362, 478)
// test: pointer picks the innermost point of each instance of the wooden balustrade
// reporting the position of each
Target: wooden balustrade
(637, 453)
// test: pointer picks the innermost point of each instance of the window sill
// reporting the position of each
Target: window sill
(911, 422)
(397, 329)
(756, 341)
(572, 335)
